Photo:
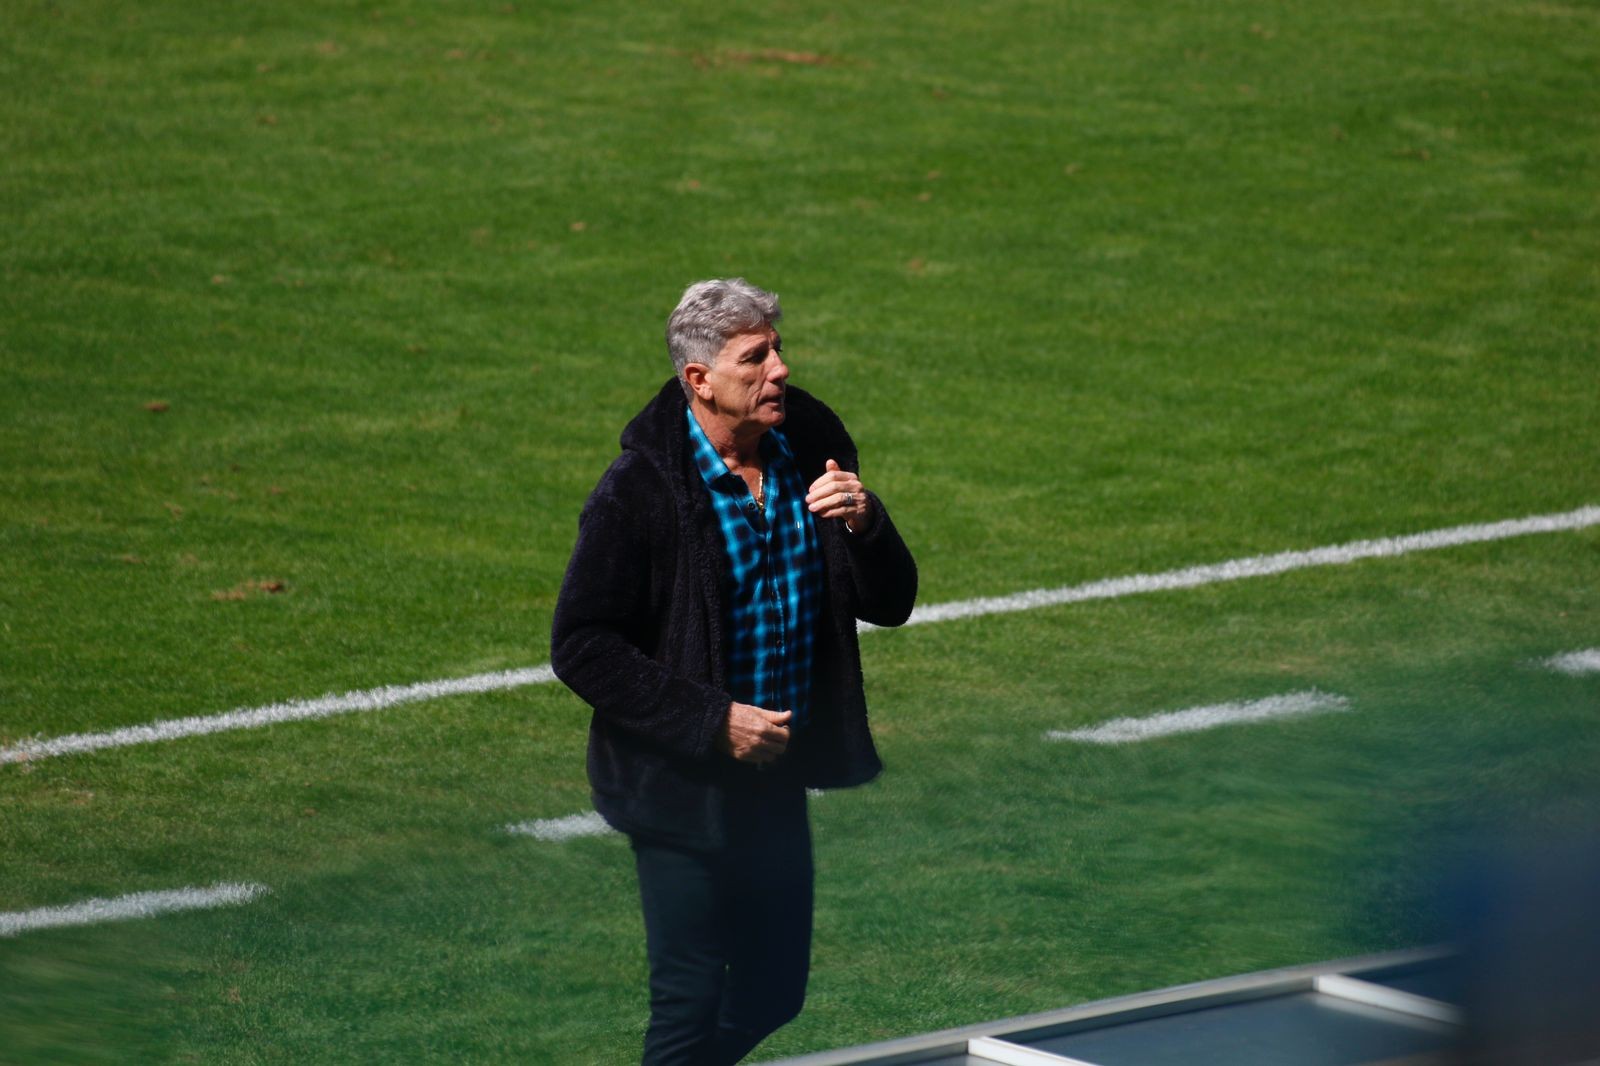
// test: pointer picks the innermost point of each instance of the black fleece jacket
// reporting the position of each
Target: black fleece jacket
(638, 631)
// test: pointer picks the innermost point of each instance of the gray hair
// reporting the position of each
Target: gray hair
(710, 313)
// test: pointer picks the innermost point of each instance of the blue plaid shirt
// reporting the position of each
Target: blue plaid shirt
(773, 592)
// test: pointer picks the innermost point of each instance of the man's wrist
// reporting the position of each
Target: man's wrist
(867, 520)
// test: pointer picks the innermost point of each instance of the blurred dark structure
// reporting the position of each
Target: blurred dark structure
(1529, 922)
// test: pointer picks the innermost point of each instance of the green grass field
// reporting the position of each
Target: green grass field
(1101, 288)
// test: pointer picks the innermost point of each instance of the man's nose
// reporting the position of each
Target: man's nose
(779, 370)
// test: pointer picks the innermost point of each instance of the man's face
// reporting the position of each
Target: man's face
(748, 381)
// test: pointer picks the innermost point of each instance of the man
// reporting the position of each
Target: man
(708, 616)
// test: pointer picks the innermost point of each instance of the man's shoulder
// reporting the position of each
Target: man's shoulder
(630, 477)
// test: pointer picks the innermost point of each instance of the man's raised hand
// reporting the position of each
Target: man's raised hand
(839, 494)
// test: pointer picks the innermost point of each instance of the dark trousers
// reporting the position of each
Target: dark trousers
(728, 933)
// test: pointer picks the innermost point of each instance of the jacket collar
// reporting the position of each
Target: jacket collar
(660, 433)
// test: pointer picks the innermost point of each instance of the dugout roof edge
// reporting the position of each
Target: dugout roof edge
(1360, 982)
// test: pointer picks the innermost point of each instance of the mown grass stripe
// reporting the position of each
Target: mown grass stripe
(1576, 663)
(1111, 588)
(1195, 719)
(136, 905)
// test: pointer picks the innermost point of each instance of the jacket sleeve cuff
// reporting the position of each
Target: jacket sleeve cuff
(874, 520)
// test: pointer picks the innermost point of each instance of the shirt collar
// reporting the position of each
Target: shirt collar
(774, 447)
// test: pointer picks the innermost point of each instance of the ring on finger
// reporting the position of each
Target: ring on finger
(849, 499)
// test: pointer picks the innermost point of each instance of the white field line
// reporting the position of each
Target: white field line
(371, 699)
(1576, 662)
(1193, 720)
(1258, 566)
(1111, 588)
(586, 824)
(589, 824)
(137, 905)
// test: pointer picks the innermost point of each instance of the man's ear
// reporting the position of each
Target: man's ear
(694, 374)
